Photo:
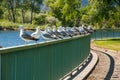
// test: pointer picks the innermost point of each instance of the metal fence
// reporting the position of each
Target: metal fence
(44, 61)
(106, 33)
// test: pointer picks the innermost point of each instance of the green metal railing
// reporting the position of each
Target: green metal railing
(106, 33)
(44, 61)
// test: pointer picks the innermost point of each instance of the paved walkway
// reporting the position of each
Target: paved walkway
(105, 65)
(89, 67)
(108, 67)
(102, 68)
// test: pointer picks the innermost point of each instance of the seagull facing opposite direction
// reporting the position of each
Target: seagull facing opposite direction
(26, 37)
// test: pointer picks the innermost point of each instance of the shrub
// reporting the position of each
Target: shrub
(40, 19)
(1, 12)
(51, 20)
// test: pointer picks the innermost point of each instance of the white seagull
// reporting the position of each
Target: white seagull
(26, 37)
(62, 31)
(37, 33)
(52, 34)
(57, 33)
(91, 29)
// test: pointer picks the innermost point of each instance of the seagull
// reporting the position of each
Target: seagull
(76, 30)
(90, 29)
(82, 30)
(37, 33)
(61, 31)
(47, 36)
(68, 30)
(57, 33)
(26, 37)
(86, 29)
(54, 35)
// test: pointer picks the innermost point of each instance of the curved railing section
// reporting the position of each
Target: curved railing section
(106, 33)
(44, 61)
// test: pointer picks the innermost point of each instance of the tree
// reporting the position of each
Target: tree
(103, 11)
(1, 12)
(71, 12)
(66, 11)
(35, 7)
(13, 8)
(24, 6)
(10, 6)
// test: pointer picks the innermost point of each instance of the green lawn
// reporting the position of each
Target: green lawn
(109, 43)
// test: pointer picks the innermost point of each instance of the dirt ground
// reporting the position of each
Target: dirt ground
(108, 67)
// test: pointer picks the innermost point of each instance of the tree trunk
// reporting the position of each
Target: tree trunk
(9, 15)
(23, 18)
(13, 11)
(31, 16)
(13, 14)
(32, 10)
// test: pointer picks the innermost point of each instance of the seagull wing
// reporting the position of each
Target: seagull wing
(47, 35)
(28, 37)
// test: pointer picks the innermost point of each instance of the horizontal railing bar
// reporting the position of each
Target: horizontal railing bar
(28, 46)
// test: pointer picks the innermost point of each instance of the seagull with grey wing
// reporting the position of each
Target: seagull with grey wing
(57, 33)
(25, 36)
(76, 30)
(68, 30)
(47, 36)
(82, 30)
(37, 33)
(91, 29)
(48, 30)
(63, 32)
(85, 28)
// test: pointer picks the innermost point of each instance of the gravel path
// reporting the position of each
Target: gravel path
(108, 67)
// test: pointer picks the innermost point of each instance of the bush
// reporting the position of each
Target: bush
(40, 19)
(51, 20)
(59, 23)
(1, 12)
(8, 24)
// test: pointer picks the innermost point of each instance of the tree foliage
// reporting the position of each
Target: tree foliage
(1, 12)
(101, 13)
(14, 8)
(66, 11)
(104, 12)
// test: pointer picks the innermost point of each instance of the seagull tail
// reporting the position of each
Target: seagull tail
(60, 37)
(71, 35)
(0, 46)
(35, 39)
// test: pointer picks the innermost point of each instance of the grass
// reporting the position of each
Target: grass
(113, 44)
(11, 25)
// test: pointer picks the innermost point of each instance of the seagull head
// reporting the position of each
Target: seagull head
(54, 28)
(21, 27)
(38, 28)
(83, 25)
(59, 28)
(37, 33)
(63, 28)
(67, 28)
(89, 27)
(48, 29)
